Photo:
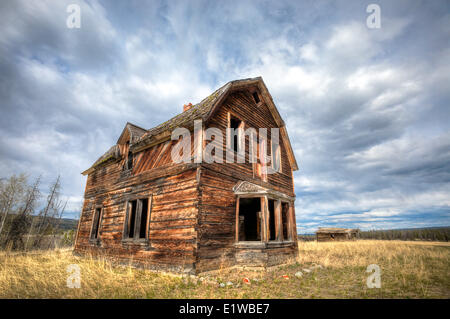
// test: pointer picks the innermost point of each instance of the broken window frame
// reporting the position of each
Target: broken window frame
(96, 224)
(128, 160)
(265, 219)
(258, 96)
(278, 220)
(261, 217)
(286, 222)
(275, 150)
(239, 139)
(137, 219)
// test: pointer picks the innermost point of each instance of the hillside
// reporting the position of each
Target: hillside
(68, 224)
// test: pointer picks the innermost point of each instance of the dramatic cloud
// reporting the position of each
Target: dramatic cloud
(366, 109)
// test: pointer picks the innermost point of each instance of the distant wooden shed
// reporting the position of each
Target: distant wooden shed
(333, 233)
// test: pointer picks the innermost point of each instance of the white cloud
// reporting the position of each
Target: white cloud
(308, 52)
(365, 109)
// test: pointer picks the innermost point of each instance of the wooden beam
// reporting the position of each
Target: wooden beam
(228, 138)
(262, 224)
(264, 218)
(126, 224)
(237, 220)
(137, 219)
(149, 210)
(278, 221)
(292, 224)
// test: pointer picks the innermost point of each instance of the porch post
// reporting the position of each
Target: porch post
(237, 220)
(292, 223)
(264, 218)
(278, 222)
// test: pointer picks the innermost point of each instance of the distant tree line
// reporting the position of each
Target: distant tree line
(22, 226)
(306, 237)
(432, 234)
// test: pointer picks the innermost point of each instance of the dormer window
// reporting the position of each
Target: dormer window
(130, 160)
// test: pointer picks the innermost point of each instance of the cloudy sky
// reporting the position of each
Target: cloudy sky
(367, 110)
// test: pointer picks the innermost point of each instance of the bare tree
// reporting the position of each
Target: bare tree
(48, 215)
(58, 222)
(12, 192)
(21, 221)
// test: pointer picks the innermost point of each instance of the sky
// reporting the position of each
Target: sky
(367, 109)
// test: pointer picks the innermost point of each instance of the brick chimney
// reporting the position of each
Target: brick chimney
(187, 107)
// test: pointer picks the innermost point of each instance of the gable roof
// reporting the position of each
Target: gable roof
(141, 138)
(112, 154)
(184, 119)
(207, 108)
(132, 133)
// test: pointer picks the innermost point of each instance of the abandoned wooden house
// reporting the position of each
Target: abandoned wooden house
(142, 207)
(338, 234)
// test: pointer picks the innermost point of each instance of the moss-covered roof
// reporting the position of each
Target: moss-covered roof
(141, 138)
(112, 154)
(186, 119)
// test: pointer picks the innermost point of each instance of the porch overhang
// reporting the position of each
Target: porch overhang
(244, 188)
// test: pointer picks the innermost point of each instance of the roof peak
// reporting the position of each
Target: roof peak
(136, 126)
(143, 138)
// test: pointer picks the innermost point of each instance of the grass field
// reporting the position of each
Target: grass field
(409, 270)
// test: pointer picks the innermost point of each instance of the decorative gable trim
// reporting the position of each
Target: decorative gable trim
(247, 188)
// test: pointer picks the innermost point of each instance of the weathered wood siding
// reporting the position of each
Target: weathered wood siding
(217, 206)
(242, 106)
(216, 221)
(193, 208)
(173, 215)
(159, 155)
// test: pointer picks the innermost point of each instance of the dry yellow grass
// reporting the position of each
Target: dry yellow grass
(409, 270)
